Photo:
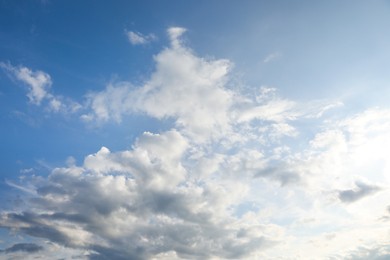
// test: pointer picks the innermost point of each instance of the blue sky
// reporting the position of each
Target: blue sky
(194, 129)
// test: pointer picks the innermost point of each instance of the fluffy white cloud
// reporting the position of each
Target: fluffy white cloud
(192, 90)
(140, 204)
(184, 87)
(238, 176)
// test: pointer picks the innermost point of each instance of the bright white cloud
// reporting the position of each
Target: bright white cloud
(183, 86)
(186, 88)
(238, 176)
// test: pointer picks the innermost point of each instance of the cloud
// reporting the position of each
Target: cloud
(284, 176)
(272, 57)
(23, 247)
(174, 34)
(276, 110)
(110, 104)
(139, 203)
(238, 175)
(375, 252)
(183, 87)
(136, 38)
(362, 190)
(39, 84)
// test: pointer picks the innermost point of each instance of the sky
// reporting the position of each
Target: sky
(194, 129)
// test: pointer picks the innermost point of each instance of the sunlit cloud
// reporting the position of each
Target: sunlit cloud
(235, 175)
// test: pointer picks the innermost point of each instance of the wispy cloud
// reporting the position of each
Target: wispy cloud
(39, 88)
(272, 57)
(38, 82)
(137, 38)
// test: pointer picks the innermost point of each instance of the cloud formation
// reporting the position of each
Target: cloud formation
(188, 88)
(237, 176)
(362, 190)
(39, 84)
(137, 38)
(23, 247)
(183, 87)
(138, 204)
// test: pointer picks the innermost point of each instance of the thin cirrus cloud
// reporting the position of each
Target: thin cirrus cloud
(272, 57)
(225, 181)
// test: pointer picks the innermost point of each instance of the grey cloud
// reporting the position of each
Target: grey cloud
(76, 218)
(105, 253)
(362, 190)
(32, 225)
(158, 220)
(386, 216)
(23, 247)
(283, 176)
(51, 189)
(376, 252)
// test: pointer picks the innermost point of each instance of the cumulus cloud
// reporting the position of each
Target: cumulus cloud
(138, 204)
(137, 38)
(238, 175)
(185, 87)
